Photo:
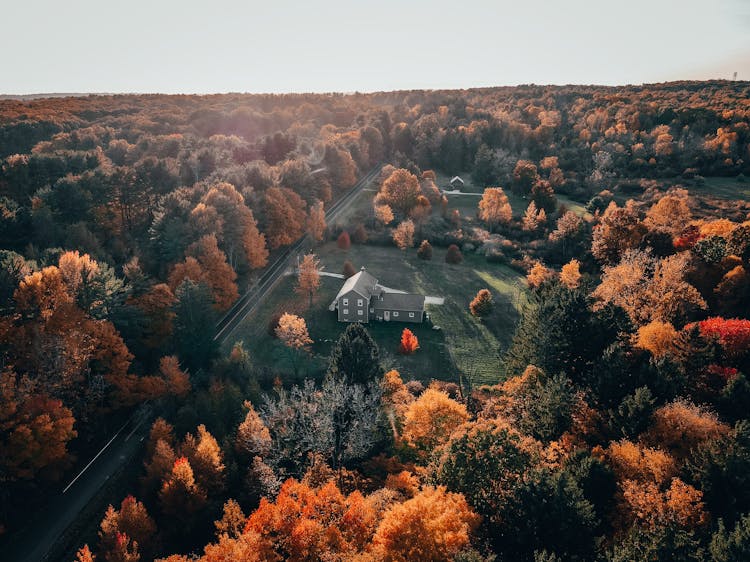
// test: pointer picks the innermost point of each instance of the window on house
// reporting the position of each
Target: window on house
(360, 302)
(395, 313)
(346, 302)
(346, 311)
(411, 315)
(361, 312)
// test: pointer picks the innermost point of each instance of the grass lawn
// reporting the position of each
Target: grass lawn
(464, 345)
(724, 188)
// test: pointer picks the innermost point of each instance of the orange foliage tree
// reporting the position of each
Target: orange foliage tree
(34, 430)
(620, 230)
(131, 525)
(644, 502)
(308, 278)
(384, 214)
(648, 289)
(431, 418)
(403, 235)
(570, 274)
(494, 207)
(316, 221)
(538, 275)
(482, 303)
(206, 263)
(409, 342)
(433, 525)
(180, 497)
(533, 218)
(205, 458)
(681, 426)
(285, 216)
(399, 191)
(292, 331)
(669, 214)
(307, 523)
(656, 337)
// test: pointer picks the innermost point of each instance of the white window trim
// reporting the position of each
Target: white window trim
(346, 311)
(360, 302)
(345, 302)
(395, 314)
(411, 315)
(361, 312)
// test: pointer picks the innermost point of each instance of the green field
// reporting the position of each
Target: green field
(463, 345)
(724, 188)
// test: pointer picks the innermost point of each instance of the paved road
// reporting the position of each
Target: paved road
(253, 297)
(35, 542)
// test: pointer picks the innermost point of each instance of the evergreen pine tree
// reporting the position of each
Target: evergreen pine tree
(355, 357)
(194, 323)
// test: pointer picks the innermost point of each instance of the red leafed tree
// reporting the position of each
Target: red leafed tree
(344, 241)
(409, 342)
(453, 255)
(733, 333)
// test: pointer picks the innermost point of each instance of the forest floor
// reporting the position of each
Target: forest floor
(463, 346)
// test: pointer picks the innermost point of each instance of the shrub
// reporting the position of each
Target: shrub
(453, 255)
(344, 242)
(482, 303)
(425, 250)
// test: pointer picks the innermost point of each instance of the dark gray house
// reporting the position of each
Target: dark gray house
(362, 299)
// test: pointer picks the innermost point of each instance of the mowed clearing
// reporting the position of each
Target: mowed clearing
(464, 348)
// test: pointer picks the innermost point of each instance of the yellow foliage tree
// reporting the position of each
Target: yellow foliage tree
(494, 207)
(403, 235)
(656, 337)
(433, 525)
(430, 420)
(570, 274)
(308, 278)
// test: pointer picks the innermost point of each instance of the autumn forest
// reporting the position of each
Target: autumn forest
(166, 267)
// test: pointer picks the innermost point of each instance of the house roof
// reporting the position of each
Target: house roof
(456, 178)
(400, 301)
(361, 282)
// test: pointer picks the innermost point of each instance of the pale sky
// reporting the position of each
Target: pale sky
(189, 46)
